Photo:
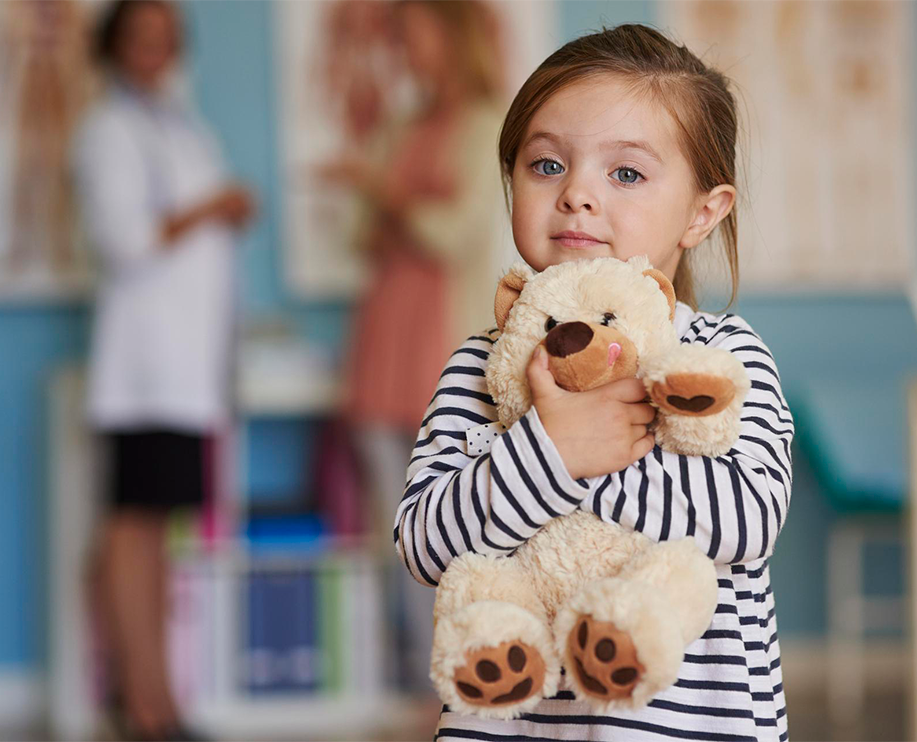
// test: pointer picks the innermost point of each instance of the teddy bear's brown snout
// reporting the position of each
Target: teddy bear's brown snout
(582, 355)
(568, 338)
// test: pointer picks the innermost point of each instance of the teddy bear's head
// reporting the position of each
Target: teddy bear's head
(597, 319)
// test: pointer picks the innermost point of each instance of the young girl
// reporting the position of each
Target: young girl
(621, 143)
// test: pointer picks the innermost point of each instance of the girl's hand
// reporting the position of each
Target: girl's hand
(596, 432)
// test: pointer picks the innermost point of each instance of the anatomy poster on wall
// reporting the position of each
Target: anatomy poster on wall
(46, 80)
(827, 153)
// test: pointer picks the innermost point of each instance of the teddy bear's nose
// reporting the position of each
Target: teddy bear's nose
(568, 338)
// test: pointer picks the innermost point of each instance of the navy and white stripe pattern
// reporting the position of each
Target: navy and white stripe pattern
(730, 685)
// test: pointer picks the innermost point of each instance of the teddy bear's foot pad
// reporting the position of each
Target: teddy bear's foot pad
(695, 395)
(604, 658)
(507, 673)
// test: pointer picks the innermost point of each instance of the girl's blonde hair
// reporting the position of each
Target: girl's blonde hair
(696, 96)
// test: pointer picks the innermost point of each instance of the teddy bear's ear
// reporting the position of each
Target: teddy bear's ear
(508, 291)
(665, 286)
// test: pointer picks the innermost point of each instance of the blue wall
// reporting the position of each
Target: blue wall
(232, 63)
(232, 55)
(869, 339)
(33, 340)
(582, 16)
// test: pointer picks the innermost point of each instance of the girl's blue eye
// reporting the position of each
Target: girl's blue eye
(548, 167)
(627, 175)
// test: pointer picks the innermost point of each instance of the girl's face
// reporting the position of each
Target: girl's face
(600, 174)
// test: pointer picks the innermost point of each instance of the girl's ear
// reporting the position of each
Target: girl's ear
(712, 208)
(508, 291)
(665, 285)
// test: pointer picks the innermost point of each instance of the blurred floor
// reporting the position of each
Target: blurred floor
(886, 718)
(417, 724)
(885, 674)
(807, 708)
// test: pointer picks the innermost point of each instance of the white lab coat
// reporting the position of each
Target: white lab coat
(164, 318)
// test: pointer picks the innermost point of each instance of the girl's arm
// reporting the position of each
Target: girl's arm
(456, 501)
(734, 505)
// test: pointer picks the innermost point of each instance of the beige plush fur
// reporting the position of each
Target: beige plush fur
(584, 291)
(655, 599)
(484, 601)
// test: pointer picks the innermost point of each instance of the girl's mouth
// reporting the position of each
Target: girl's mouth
(576, 239)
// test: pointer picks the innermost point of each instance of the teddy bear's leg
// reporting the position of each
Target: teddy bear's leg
(684, 577)
(699, 392)
(623, 638)
(493, 653)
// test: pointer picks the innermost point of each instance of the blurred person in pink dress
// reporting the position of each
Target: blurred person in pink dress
(433, 233)
(162, 214)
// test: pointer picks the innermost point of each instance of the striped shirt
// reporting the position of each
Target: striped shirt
(456, 500)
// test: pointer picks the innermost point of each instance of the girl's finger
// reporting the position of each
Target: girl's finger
(541, 380)
(637, 432)
(642, 413)
(628, 390)
(642, 447)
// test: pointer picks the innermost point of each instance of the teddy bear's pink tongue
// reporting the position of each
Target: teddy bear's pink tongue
(614, 350)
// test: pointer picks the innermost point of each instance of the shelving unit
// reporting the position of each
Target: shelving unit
(212, 578)
(355, 709)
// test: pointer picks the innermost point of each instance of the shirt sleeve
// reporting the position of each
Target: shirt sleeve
(114, 191)
(734, 505)
(489, 503)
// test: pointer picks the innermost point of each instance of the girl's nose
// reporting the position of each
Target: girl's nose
(577, 204)
(577, 196)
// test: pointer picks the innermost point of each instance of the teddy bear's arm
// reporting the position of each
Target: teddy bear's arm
(490, 503)
(735, 504)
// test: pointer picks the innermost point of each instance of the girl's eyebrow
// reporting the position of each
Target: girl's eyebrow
(612, 144)
(633, 144)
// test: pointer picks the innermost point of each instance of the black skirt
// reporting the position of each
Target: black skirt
(156, 469)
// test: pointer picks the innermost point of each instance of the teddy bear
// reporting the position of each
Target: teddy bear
(613, 608)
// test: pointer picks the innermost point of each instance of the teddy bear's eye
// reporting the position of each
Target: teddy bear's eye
(608, 318)
(550, 324)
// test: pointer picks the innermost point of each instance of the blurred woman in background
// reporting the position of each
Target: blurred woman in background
(432, 191)
(162, 214)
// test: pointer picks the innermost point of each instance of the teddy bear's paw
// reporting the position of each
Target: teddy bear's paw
(494, 659)
(695, 395)
(605, 661)
(621, 643)
(508, 673)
